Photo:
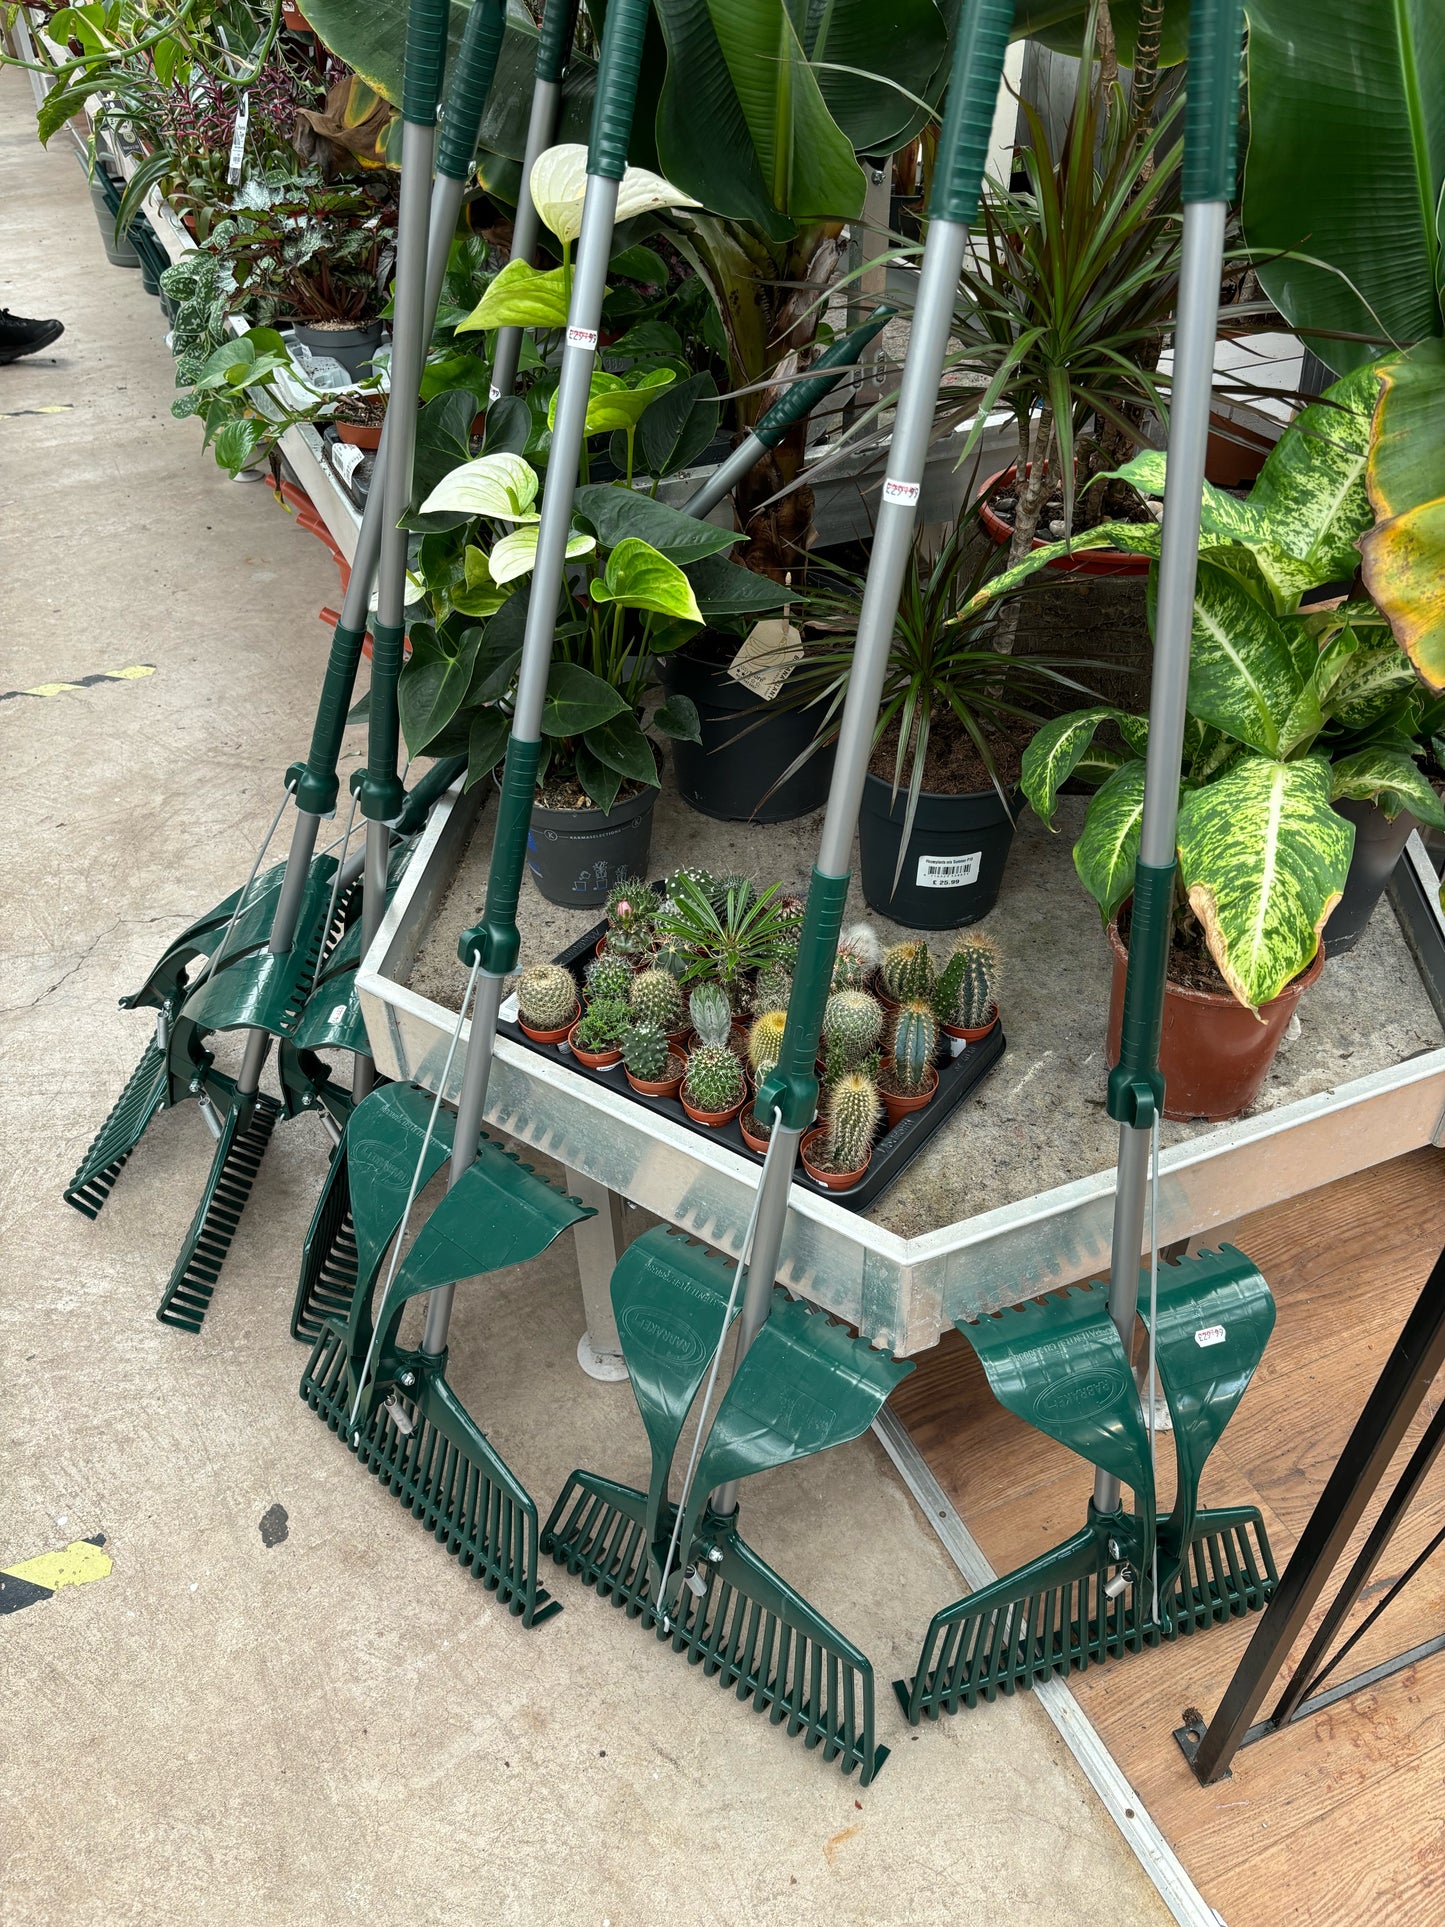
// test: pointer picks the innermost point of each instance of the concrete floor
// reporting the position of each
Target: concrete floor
(336, 1723)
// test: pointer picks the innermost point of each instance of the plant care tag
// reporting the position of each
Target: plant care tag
(508, 1009)
(902, 494)
(238, 141)
(948, 872)
(770, 650)
(1208, 1335)
(581, 337)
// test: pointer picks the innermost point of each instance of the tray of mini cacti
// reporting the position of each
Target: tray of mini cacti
(679, 997)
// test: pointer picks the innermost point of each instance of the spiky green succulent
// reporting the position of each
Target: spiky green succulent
(772, 990)
(907, 972)
(711, 1013)
(657, 999)
(914, 1044)
(690, 873)
(741, 889)
(547, 996)
(608, 976)
(858, 956)
(852, 1025)
(668, 957)
(765, 1041)
(714, 1077)
(967, 991)
(851, 1121)
(603, 1024)
(632, 908)
(645, 1052)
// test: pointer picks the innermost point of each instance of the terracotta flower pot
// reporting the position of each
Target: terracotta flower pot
(754, 1140)
(359, 434)
(677, 1039)
(712, 1118)
(832, 1180)
(595, 1060)
(974, 1035)
(1086, 562)
(898, 1106)
(549, 1036)
(1215, 1054)
(668, 1086)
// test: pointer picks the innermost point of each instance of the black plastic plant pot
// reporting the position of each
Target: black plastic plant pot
(576, 856)
(954, 862)
(745, 746)
(1379, 845)
(353, 347)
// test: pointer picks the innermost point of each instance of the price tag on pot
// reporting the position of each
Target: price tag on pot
(766, 659)
(948, 872)
(238, 141)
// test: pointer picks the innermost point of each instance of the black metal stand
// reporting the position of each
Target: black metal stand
(1391, 1407)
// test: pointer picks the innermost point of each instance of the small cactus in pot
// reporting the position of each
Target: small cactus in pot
(546, 1000)
(852, 1025)
(647, 1055)
(914, 1044)
(772, 990)
(608, 978)
(714, 1084)
(966, 997)
(631, 913)
(711, 1013)
(858, 956)
(601, 1027)
(907, 972)
(656, 998)
(844, 1144)
(765, 1041)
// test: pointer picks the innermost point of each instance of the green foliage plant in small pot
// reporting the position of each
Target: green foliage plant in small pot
(909, 1076)
(596, 1037)
(653, 1067)
(837, 1153)
(966, 994)
(546, 1002)
(725, 931)
(714, 1087)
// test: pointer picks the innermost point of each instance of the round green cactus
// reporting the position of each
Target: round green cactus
(851, 1121)
(656, 999)
(915, 1042)
(632, 908)
(772, 990)
(711, 1013)
(670, 958)
(608, 976)
(907, 972)
(603, 1024)
(714, 1077)
(852, 1025)
(547, 996)
(967, 993)
(765, 1041)
(858, 956)
(645, 1052)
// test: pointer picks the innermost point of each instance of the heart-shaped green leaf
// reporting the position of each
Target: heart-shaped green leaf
(638, 577)
(615, 513)
(621, 745)
(521, 297)
(516, 554)
(578, 701)
(678, 719)
(486, 742)
(433, 684)
(500, 486)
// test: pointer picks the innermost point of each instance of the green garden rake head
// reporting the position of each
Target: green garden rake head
(804, 1385)
(1060, 1364)
(393, 1406)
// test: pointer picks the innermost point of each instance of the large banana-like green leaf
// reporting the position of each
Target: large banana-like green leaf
(1242, 676)
(1346, 162)
(1108, 845)
(880, 45)
(1405, 551)
(1264, 859)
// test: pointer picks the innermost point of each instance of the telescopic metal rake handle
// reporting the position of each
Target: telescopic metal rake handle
(1136, 1085)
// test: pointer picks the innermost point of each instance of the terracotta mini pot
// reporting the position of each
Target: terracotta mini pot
(549, 1036)
(888, 1003)
(897, 1106)
(1215, 1054)
(1086, 562)
(712, 1118)
(677, 1039)
(668, 1086)
(359, 434)
(751, 1136)
(595, 1060)
(831, 1180)
(974, 1035)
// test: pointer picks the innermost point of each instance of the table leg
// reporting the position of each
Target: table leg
(600, 1241)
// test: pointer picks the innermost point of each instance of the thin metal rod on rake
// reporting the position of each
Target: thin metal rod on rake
(245, 891)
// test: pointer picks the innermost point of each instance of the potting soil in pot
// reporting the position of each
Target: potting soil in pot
(1039, 1119)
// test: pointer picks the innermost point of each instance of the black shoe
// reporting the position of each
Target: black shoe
(21, 337)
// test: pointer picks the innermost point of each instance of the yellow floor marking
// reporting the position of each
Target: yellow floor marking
(78, 1565)
(130, 674)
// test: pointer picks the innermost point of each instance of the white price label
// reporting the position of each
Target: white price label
(904, 494)
(238, 141)
(581, 337)
(1208, 1335)
(494, 393)
(948, 872)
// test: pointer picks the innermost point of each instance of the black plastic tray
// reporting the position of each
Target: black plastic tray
(894, 1151)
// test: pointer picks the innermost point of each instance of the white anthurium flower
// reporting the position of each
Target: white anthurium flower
(559, 187)
(502, 487)
(516, 554)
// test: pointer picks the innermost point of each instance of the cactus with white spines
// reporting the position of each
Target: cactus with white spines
(547, 996)
(907, 972)
(714, 1079)
(967, 991)
(858, 955)
(914, 1044)
(765, 1041)
(772, 990)
(852, 1025)
(656, 998)
(608, 976)
(850, 1121)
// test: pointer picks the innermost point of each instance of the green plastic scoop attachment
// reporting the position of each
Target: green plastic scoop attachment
(1063, 1363)
(265, 945)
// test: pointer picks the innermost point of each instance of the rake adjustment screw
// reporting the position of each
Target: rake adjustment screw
(408, 1379)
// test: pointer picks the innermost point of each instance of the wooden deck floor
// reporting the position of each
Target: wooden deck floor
(1340, 1821)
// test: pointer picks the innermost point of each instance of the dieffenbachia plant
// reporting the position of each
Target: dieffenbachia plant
(1290, 709)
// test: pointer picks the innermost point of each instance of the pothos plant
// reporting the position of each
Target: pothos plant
(1290, 708)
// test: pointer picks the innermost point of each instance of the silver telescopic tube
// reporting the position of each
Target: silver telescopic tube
(726, 476)
(541, 131)
(908, 452)
(594, 244)
(1198, 319)
(408, 351)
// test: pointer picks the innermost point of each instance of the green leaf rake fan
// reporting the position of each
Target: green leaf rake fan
(1128, 1579)
(269, 948)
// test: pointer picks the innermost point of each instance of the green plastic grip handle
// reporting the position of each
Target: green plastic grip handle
(315, 779)
(617, 72)
(496, 936)
(792, 1086)
(979, 45)
(423, 793)
(470, 84)
(1211, 114)
(802, 397)
(378, 786)
(426, 60)
(554, 44)
(1136, 1083)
